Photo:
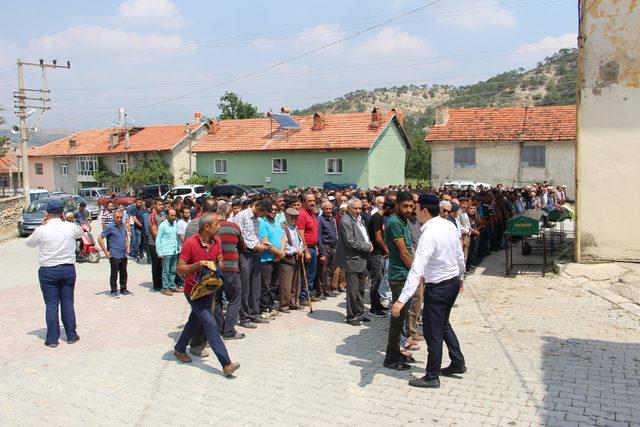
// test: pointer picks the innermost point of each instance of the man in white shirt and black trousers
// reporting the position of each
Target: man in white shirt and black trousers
(440, 261)
(56, 241)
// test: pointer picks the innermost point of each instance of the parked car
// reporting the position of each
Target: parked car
(92, 193)
(232, 190)
(191, 191)
(152, 191)
(92, 208)
(334, 186)
(33, 215)
(473, 185)
(266, 190)
(125, 199)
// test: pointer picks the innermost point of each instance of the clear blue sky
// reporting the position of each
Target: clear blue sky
(164, 60)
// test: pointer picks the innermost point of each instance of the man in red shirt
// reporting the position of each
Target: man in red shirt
(308, 225)
(197, 251)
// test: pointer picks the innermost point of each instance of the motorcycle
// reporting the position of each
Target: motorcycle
(87, 250)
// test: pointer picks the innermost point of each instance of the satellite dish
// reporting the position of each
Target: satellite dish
(15, 129)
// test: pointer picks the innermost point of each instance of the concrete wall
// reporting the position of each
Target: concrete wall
(10, 211)
(67, 183)
(387, 159)
(46, 180)
(304, 168)
(608, 146)
(499, 162)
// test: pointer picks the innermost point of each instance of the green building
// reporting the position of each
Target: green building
(366, 149)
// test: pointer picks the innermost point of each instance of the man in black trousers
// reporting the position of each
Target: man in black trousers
(440, 261)
(116, 250)
(352, 252)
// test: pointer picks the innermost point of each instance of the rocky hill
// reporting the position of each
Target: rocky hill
(551, 82)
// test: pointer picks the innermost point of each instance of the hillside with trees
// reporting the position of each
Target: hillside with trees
(551, 82)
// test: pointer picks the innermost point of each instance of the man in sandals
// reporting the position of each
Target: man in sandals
(197, 251)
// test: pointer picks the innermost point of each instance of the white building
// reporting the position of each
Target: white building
(510, 146)
(608, 146)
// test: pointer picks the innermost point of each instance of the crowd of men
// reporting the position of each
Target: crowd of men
(288, 251)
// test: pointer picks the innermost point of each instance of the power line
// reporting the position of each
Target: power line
(288, 60)
(470, 56)
(286, 33)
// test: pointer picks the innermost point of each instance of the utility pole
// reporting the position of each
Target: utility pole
(20, 104)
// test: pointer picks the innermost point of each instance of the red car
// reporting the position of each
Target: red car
(117, 198)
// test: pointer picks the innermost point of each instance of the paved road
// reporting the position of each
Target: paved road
(538, 350)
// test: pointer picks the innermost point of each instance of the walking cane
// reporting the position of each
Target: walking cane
(306, 284)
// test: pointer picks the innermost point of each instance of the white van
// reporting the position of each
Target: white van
(92, 193)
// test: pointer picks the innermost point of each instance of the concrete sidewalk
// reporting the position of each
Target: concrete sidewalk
(539, 351)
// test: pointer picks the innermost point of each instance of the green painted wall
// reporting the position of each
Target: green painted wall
(382, 165)
(304, 168)
(387, 159)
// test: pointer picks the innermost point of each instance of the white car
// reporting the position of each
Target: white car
(474, 185)
(191, 191)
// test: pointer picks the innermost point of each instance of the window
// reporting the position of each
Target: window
(39, 169)
(334, 166)
(464, 157)
(279, 166)
(121, 167)
(220, 166)
(87, 165)
(64, 168)
(533, 156)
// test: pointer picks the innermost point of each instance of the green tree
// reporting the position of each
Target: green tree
(207, 181)
(418, 165)
(146, 171)
(233, 107)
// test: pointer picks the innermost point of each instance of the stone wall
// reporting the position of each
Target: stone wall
(10, 211)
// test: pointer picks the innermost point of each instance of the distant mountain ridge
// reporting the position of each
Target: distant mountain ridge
(551, 82)
(37, 139)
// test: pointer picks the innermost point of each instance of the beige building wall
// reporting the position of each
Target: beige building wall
(608, 147)
(499, 162)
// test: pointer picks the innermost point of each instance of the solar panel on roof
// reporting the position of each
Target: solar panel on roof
(285, 121)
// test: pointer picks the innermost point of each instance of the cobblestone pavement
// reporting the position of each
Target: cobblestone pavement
(539, 351)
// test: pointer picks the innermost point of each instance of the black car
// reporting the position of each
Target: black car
(232, 190)
(33, 215)
(153, 191)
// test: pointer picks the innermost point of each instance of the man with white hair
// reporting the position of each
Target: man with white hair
(352, 252)
(379, 201)
(327, 240)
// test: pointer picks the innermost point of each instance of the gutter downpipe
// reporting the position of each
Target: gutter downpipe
(579, 83)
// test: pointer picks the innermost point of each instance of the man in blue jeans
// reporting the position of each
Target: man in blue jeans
(198, 251)
(56, 243)
(167, 249)
(134, 213)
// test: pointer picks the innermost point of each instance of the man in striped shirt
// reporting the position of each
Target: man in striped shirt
(107, 214)
(232, 244)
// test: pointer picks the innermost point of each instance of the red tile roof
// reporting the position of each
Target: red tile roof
(507, 124)
(96, 141)
(8, 161)
(340, 132)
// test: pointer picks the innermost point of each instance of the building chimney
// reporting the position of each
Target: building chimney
(442, 115)
(399, 115)
(376, 118)
(73, 144)
(113, 139)
(127, 143)
(213, 125)
(318, 121)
